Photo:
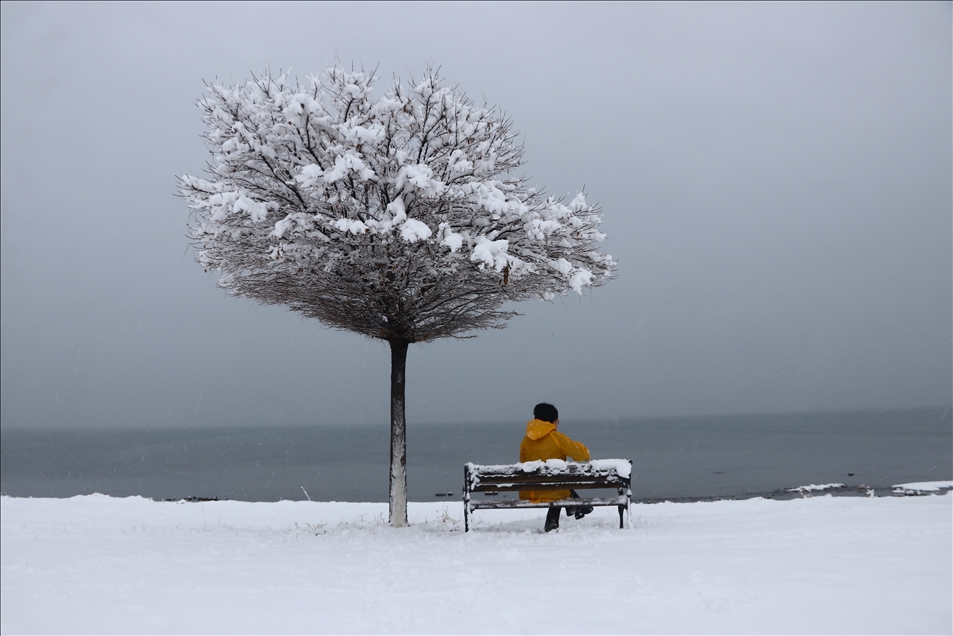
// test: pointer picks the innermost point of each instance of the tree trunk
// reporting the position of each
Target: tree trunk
(398, 435)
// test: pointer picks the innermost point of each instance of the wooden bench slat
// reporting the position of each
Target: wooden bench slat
(554, 485)
(483, 478)
(621, 500)
(541, 468)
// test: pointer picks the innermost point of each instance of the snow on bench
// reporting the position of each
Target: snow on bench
(552, 474)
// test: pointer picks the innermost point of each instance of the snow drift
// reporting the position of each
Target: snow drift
(821, 564)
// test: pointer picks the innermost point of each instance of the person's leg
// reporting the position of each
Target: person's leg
(577, 511)
(571, 510)
(552, 518)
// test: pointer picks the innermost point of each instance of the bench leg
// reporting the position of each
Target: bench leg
(623, 509)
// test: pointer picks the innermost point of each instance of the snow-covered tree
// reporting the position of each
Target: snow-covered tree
(400, 218)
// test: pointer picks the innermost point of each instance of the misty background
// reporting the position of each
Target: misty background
(775, 180)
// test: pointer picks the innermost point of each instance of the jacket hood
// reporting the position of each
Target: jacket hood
(538, 428)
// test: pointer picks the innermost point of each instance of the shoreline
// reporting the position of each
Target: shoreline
(806, 492)
(919, 489)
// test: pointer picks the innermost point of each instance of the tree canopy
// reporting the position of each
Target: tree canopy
(400, 218)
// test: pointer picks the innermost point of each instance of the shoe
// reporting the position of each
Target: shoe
(582, 511)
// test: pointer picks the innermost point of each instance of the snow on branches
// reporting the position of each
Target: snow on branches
(400, 218)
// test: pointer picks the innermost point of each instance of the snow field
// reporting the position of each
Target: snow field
(821, 564)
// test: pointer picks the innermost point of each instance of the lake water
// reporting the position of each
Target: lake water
(673, 458)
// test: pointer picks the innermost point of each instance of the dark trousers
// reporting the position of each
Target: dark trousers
(552, 518)
(552, 515)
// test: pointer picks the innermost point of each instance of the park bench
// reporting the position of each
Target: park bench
(553, 474)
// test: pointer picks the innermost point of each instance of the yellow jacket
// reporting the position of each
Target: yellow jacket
(544, 442)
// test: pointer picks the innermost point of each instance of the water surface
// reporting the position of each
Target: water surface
(673, 458)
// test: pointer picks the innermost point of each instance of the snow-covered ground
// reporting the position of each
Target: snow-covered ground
(819, 564)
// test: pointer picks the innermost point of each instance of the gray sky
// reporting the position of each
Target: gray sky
(775, 178)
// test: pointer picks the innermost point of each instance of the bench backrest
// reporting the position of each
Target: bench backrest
(553, 474)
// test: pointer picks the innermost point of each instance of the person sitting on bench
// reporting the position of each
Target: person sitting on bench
(544, 442)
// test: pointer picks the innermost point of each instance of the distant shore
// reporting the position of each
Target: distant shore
(837, 490)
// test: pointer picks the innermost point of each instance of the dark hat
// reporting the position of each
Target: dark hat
(545, 412)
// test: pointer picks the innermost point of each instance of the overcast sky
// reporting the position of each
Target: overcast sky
(775, 179)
